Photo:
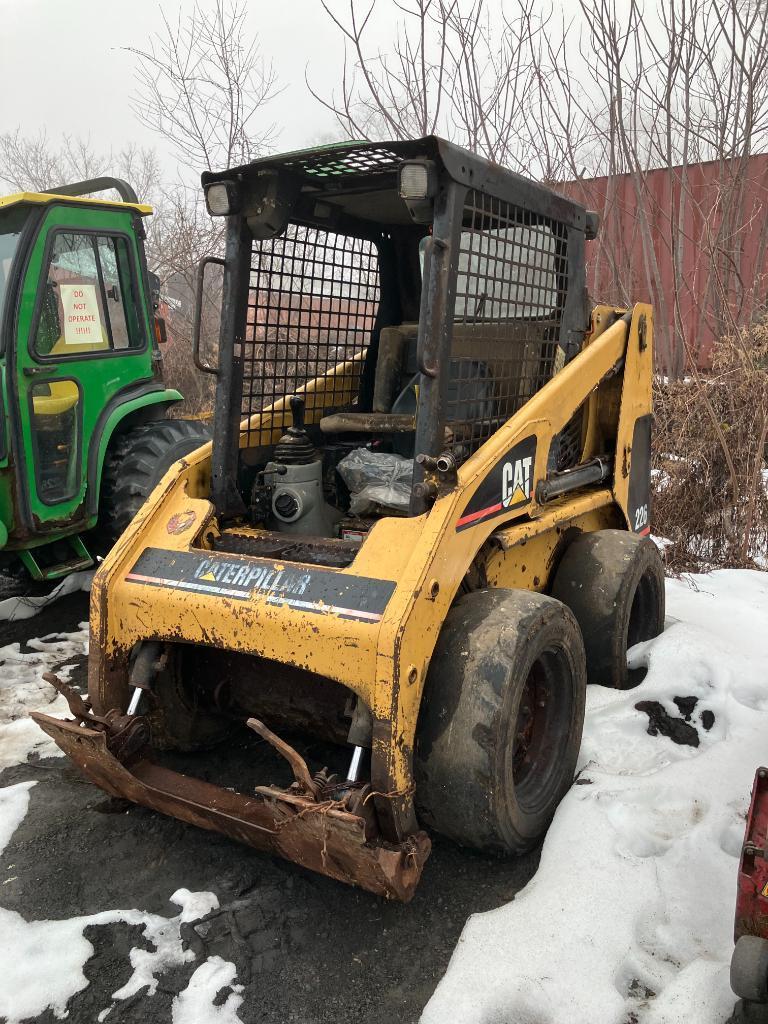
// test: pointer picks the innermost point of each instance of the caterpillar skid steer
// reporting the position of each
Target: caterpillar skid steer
(420, 527)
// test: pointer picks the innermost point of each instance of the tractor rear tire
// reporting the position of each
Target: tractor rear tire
(749, 969)
(136, 464)
(613, 582)
(501, 720)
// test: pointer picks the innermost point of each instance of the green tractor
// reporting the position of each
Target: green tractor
(84, 433)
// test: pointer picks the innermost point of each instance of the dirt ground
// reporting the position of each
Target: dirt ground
(307, 949)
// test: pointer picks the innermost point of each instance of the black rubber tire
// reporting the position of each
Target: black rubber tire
(179, 717)
(135, 465)
(749, 969)
(498, 652)
(613, 582)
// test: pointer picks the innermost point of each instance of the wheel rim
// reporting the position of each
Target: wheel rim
(543, 719)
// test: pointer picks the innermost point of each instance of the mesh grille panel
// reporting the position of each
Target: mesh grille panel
(510, 297)
(347, 161)
(312, 306)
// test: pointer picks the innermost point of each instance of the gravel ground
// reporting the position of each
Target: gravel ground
(307, 949)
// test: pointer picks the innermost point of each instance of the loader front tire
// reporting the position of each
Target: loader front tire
(613, 582)
(135, 465)
(181, 718)
(501, 719)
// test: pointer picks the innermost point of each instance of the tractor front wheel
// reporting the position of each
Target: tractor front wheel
(501, 719)
(135, 465)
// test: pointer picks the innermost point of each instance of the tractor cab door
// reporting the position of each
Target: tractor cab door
(83, 337)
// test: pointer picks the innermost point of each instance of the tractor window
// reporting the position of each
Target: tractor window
(89, 304)
(10, 232)
(122, 301)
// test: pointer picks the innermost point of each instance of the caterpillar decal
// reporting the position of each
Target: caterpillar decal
(508, 486)
(306, 589)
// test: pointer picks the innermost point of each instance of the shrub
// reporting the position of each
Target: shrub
(710, 477)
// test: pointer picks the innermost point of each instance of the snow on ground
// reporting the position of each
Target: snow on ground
(208, 980)
(23, 689)
(15, 608)
(46, 969)
(629, 918)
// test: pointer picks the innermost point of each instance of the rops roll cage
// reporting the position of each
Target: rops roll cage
(411, 199)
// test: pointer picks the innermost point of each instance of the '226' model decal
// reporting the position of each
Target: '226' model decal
(508, 486)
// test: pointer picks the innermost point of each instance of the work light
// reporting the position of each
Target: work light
(418, 187)
(222, 198)
(418, 179)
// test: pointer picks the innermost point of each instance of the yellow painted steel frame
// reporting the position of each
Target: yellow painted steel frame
(385, 663)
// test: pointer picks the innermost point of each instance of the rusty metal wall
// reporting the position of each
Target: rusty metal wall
(693, 241)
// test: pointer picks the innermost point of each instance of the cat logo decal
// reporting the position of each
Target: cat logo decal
(509, 485)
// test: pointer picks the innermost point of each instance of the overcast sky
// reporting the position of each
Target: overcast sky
(63, 66)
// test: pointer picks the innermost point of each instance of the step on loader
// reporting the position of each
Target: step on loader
(421, 528)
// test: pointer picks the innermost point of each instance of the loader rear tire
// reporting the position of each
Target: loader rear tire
(613, 582)
(501, 719)
(136, 464)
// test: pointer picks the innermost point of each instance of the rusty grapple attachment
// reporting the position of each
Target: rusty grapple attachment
(327, 828)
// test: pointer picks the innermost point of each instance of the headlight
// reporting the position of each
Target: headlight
(222, 198)
(418, 179)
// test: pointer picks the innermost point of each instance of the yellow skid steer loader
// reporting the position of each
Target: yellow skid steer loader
(421, 527)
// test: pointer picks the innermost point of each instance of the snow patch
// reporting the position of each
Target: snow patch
(14, 801)
(14, 608)
(23, 689)
(630, 915)
(46, 969)
(195, 1004)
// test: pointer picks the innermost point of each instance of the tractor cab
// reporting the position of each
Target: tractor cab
(79, 362)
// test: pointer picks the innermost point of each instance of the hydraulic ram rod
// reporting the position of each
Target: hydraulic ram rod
(592, 472)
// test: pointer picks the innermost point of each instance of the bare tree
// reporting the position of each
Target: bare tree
(615, 92)
(202, 85)
(36, 162)
(453, 69)
(681, 85)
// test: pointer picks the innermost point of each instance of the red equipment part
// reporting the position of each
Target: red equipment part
(752, 895)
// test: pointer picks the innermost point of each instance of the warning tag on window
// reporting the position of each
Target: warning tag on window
(82, 322)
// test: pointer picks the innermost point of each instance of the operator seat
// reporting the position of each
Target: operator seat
(396, 381)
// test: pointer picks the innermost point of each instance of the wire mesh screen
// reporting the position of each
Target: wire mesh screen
(510, 298)
(312, 306)
(346, 160)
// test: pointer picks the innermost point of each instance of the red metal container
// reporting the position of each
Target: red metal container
(684, 239)
(752, 894)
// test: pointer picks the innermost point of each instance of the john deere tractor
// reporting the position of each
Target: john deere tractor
(83, 430)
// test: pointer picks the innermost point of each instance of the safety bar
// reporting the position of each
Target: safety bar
(84, 188)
